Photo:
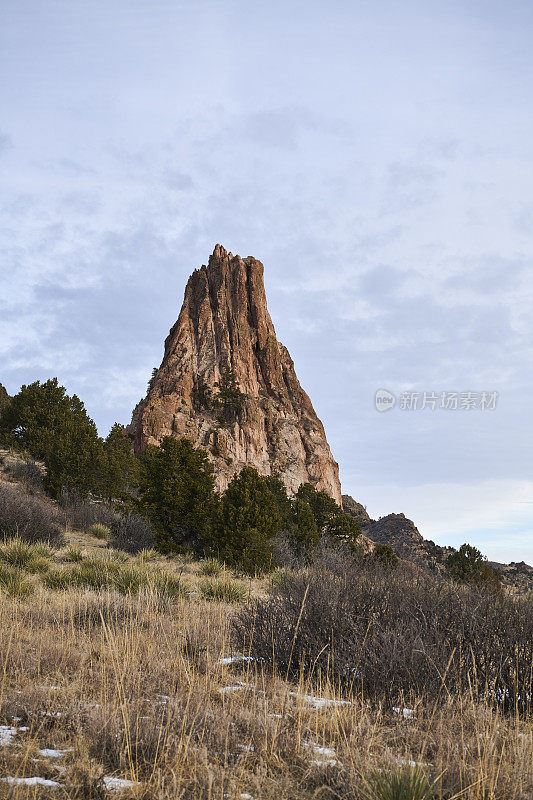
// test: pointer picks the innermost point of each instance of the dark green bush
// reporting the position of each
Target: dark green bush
(56, 429)
(228, 398)
(469, 565)
(177, 494)
(385, 555)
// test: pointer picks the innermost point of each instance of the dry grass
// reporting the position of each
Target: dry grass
(133, 687)
(145, 687)
(137, 680)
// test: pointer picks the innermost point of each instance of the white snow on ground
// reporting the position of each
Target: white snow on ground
(324, 756)
(6, 735)
(406, 713)
(404, 762)
(319, 702)
(118, 784)
(235, 688)
(235, 660)
(51, 753)
(31, 782)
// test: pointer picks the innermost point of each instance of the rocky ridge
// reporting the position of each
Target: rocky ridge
(394, 529)
(403, 536)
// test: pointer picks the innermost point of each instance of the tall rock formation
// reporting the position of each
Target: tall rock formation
(224, 325)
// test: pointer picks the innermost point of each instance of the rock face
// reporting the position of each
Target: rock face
(224, 324)
(395, 530)
(355, 510)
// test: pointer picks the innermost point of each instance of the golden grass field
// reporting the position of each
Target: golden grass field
(98, 685)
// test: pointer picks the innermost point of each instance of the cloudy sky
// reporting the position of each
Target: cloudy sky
(376, 156)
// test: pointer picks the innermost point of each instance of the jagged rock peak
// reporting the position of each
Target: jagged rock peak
(224, 325)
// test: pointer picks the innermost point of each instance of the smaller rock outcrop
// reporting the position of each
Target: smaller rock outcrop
(517, 576)
(395, 530)
(355, 510)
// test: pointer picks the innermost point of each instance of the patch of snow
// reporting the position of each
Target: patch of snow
(404, 762)
(235, 660)
(320, 702)
(118, 784)
(6, 735)
(325, 756)
(235, 688)
(247, 748)
(406, 713)
(30, 782)
(49, 752)
(246, 796)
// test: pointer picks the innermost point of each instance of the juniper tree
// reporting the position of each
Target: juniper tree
(469, 565)
(176, 492)
(55, 428)
(229, 397)
(121, 468)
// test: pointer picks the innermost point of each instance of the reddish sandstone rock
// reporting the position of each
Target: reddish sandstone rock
(224, 323)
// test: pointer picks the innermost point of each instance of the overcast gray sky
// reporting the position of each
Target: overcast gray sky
(376, 156)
